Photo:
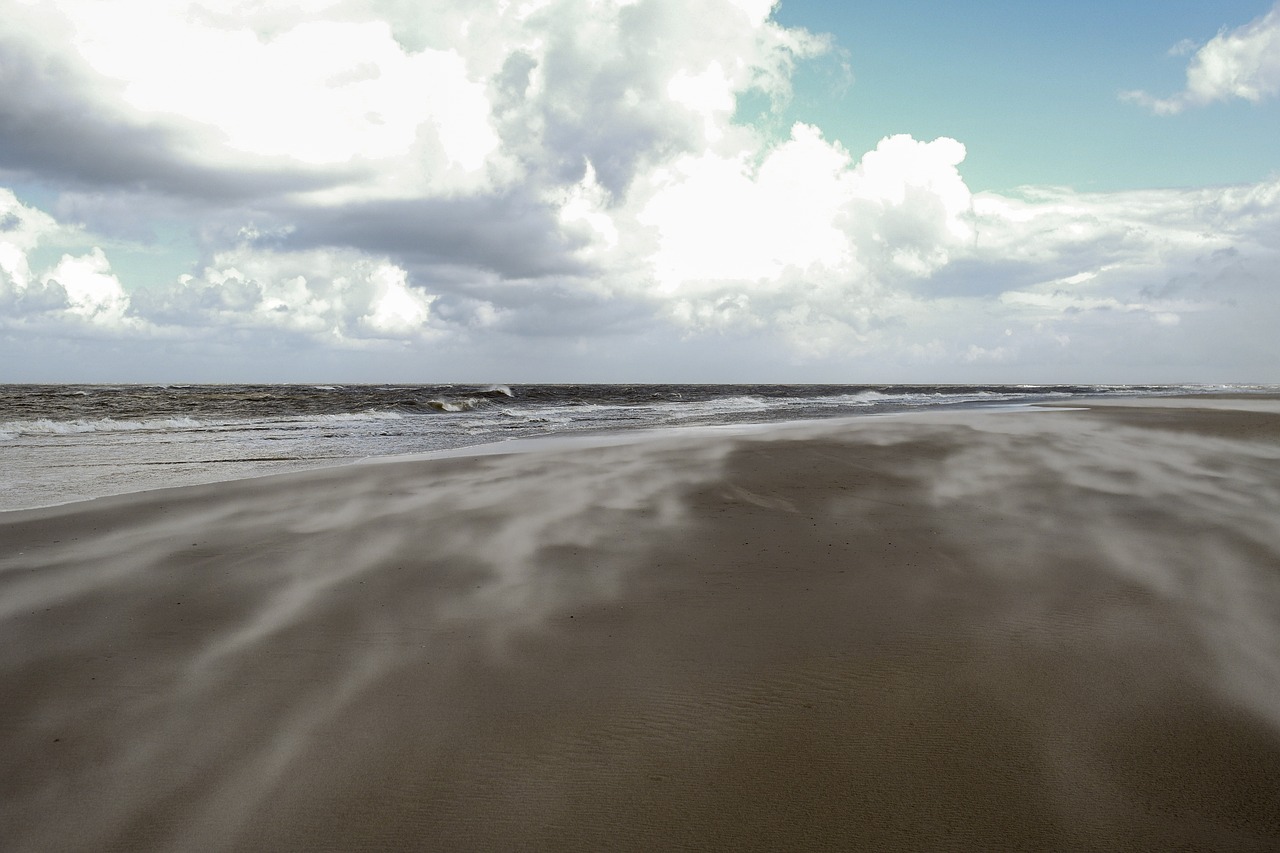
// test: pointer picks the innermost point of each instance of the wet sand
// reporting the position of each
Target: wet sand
(1029, 630)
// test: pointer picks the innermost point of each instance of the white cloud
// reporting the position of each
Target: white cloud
(807, 242)
(92, 290)
(396, 309)
(896, 255)
(414, 99)
(342, 298)
(366, 174)
(1242, 63)
(21, 228)
(911, 208)
(319, 91)
(1115, 234)
(717, 218)
(585, 206)
(79, 290)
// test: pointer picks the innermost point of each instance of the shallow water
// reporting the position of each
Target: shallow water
(60, 443)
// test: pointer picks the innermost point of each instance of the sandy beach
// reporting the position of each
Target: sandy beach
(1022, 630)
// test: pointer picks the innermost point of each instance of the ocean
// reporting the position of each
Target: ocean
(62, 443)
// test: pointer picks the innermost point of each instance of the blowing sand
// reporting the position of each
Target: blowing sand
(998, 631)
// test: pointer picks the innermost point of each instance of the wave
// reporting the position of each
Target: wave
(45, 426)
(371, 415)
(454, 405)
(911, 397)
(11, 430)
(477, 398)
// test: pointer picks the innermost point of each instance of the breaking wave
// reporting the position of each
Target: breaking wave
(11, 430)
(45, 426)
(447, 405)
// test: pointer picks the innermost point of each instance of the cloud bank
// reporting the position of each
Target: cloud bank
(563, 190)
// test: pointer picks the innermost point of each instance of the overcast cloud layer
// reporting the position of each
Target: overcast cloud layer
(559, 191)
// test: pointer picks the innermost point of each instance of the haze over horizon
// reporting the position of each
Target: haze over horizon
(650, 191)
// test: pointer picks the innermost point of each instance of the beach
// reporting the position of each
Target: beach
(1043, 629)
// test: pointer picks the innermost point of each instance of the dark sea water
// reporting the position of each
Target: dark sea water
(60, 443)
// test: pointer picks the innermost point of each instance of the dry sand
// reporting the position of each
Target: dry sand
(971, 631)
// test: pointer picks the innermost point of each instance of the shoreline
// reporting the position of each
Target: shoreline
(567, 440)
(606, 437)
(941, 629)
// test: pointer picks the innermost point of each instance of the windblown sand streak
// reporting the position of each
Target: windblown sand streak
(1027, 630)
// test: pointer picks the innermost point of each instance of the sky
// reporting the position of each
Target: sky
(639, 191)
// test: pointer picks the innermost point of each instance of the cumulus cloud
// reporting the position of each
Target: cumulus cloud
(335, 296)
(448, 136)
(21, 228)
(80, 290)
(1242, 63)
(507, 178)
(935, 275)
(722, 217)
(319, 92)
(338, 296)
(384, 99)
(798, 237)
(91, 289)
